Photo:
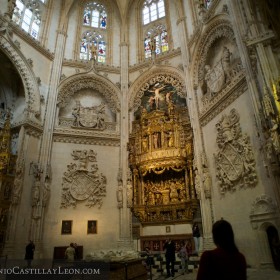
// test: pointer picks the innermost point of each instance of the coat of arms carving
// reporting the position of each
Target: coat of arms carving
(82, 181)
(235, 161)
(89, 117)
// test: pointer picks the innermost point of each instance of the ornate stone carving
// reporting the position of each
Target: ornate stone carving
(235, 163)
(82, 181)
(263, 211)
(29, 80)
(89, 117)
(18, 182)
(75, 83)
(120, 189)
(219, 29)
(129, 191)
(263, 205)
(223, 99)
(197, 184)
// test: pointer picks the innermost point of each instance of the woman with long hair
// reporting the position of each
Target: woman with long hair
(224, 262)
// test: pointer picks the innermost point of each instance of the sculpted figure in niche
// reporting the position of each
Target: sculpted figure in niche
(207, 182)
(46, 193)
(151, 198)
(101, 116)
(226, 62)
(158, 198)
(197, 184)
(120, 196)
(145, 144)
(171, 139)
(274, 133)
(156, 140)
(36, 192)
(174, 194)
(76, 113)
(216, 76)
(17, 190)
(182, 195)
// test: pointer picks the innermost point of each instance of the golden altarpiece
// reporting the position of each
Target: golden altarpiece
(161, 159)
(7, 173)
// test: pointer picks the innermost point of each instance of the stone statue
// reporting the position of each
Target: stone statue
(207, 182)
(274, 134)
(120, 197)
(36, 192)
(46, 193)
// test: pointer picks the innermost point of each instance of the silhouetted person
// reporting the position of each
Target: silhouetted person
(224, 262)
(169, 248)
(29, 252)
(196, 237)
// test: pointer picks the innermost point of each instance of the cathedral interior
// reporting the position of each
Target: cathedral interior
(125, 122)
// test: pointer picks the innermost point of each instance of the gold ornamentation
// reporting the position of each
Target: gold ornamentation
(160, 156)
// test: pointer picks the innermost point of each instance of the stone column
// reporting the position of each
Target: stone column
(205, 204)
(125, 238)
(36, 230)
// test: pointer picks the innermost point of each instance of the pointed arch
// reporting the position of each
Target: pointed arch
(30, 84)
(156, 74)
(75, 83)
(216, 30)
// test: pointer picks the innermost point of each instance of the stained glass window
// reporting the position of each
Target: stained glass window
(93, 41)
(153, 10)
(28, 16)
(95, 15)
(160, 39)
(93, 44)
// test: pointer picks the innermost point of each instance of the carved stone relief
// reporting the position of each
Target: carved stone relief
(263, 210)
(82, 181)
(235, 163)
(218, 70)
(18, 182)
(73, 84)
(89, 117)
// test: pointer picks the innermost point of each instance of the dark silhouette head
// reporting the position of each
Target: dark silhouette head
(223, 236)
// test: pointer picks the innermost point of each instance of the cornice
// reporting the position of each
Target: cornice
(86, 64)
(87, 137)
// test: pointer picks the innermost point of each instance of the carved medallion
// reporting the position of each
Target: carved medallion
(82, 181)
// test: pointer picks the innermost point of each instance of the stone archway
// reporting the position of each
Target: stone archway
(264, 215)
(30, 84)
(274, 244)
(157, 74)
(73, 84)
